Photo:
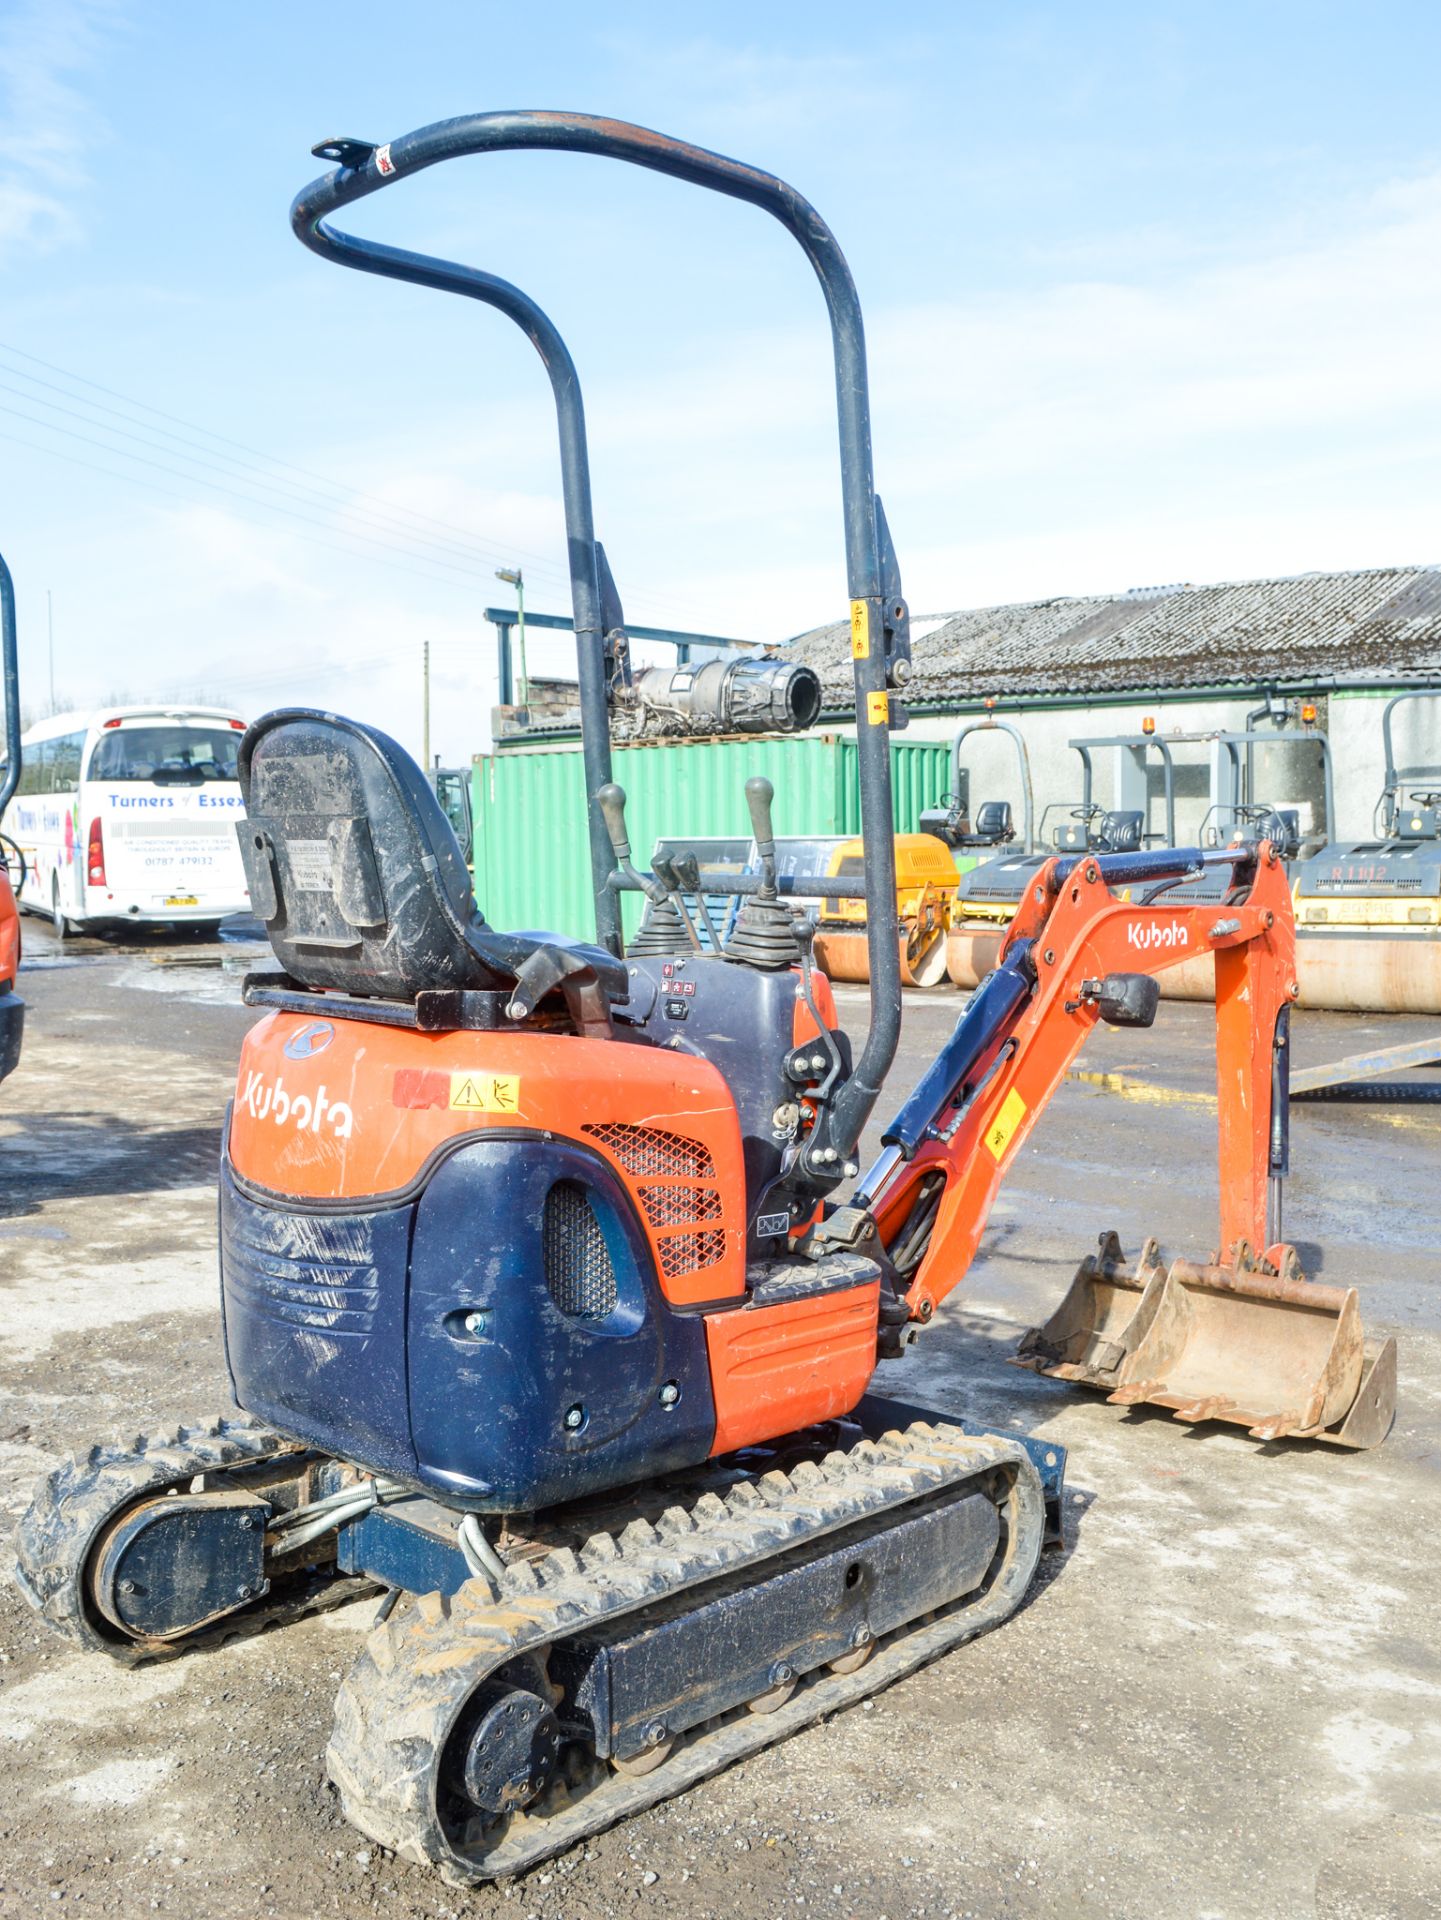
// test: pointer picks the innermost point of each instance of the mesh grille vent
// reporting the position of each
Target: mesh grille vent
(578, 1271)
(686, 1252)
(648, 1150)
(680, 1206)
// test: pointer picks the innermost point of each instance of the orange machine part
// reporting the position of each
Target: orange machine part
(9, 932)
(344, 1110)
(803, 1027)
(777, 1369)
(1082, 931)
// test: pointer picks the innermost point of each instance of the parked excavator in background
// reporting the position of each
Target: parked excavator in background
(12, 864)
(1368, 912)
(540, 1293)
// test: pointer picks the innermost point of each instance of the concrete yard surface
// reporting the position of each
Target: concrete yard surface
(1222, 1700)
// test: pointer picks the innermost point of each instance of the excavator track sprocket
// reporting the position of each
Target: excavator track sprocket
(75, 1503)
(393, 1754)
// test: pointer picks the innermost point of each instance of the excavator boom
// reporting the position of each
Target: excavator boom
(1242, 1337)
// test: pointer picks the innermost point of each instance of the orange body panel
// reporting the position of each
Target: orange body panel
(343, 1110)
(9, 932)
(803, 1027)
(777, 1369)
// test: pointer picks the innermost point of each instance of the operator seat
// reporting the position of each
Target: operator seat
(993, 824)
(1122, 830)
(360, 881)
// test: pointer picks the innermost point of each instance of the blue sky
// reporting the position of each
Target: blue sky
(1151, 294)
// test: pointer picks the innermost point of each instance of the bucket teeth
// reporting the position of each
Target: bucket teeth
(1249, 1342)
(1133, 1395)
(1215, 1407)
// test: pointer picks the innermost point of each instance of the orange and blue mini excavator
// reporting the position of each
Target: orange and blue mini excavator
(540, 1301)
(12, 864)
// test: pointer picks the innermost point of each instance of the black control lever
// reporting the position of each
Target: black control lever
(611, 800)
(687, 867)
(759, 795)
(665, 871)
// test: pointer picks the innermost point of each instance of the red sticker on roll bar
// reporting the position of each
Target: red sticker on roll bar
(383, 161)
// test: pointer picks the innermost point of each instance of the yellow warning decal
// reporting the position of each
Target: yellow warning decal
(878, 708)
(998, 1134)
(485, 1092)
(860, 630)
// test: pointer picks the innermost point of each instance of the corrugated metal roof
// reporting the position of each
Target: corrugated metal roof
(1310, 628)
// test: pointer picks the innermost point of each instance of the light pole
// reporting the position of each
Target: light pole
(515, 577)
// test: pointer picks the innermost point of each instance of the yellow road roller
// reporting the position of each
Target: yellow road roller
(926, 881)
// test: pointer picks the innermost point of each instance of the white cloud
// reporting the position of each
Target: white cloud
(1197, 420)
(1278, 412)
(47, 127)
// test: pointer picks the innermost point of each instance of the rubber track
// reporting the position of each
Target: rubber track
(73, 1503)
(401, 1699)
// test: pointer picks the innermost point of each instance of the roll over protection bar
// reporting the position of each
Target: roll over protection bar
(879, 619)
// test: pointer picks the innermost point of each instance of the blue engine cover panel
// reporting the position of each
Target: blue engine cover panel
(539, 1238)
(501, 1340)
(314, 1307)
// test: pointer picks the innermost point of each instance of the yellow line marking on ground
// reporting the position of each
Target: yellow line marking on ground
(1146, 1090)
(1130, 1089)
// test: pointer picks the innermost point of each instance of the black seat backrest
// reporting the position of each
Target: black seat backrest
(352, 865)
(358, 876)
(1121, 830)
(993, 821)
(1283, 830)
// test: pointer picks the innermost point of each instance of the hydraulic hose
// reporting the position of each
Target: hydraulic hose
(303, 1524)
(480, 1556)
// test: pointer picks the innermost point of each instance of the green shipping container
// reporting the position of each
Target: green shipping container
(532, 867)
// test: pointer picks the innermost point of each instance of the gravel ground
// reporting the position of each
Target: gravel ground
(1220, 1702)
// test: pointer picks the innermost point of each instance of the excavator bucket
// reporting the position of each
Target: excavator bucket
(1245, 1342)
(1099, 1319)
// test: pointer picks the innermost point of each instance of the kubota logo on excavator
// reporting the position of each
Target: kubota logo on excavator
(264, 1099)
(1150, 934)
